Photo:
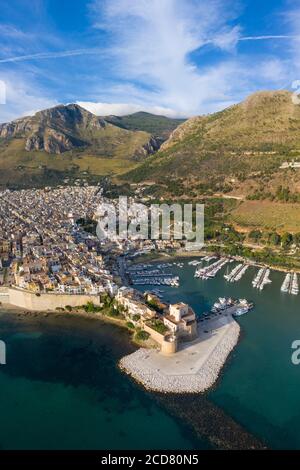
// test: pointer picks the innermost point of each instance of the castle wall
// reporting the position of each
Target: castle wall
(31, 301)
(167, 347)
(4, 295)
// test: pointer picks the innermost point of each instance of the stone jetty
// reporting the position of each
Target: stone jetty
(194, 368)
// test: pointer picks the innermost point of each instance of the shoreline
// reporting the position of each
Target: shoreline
(208, 421)
(158, 373)
(152, 258)
(134, 364)
(20, 312)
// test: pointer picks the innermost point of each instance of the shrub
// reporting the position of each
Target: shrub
(91, 308)
(142, 335)
(136, 317)
(159, 326)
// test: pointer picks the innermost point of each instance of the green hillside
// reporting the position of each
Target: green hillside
(159, 126)
(67, 142)
(245, 142)
(235, 154)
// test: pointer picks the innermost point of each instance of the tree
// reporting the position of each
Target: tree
(255, 235)
(274, 239)
(296, 239)
(286, 240)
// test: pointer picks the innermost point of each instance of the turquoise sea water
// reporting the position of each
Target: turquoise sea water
(260, 387)
(61, 389)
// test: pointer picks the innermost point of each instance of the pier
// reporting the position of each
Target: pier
(169, 280)
(147, 274)
(237, 273)
(290, 284)
(210, 271)
(261, 278)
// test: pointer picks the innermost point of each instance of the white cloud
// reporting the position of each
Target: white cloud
(292, 20)
(146, 60)
(227, 39)
(9, 31)
(121, 109)
(266, 38)
(273, 70)
(152, 45)
(23, 98)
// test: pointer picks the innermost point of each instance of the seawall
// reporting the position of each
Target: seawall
(30, 301)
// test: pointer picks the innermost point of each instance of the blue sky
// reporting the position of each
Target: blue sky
(173, 57)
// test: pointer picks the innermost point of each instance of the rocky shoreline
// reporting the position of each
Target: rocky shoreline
(199, 381)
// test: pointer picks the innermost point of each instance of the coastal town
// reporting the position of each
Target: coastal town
(51, 259)
(44, 250)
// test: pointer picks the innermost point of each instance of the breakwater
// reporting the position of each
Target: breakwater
(194, 368)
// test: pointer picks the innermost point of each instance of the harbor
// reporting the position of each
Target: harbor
(235, 307)
(207, 267)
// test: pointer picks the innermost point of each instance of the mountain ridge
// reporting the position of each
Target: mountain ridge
(157, 125)
(68, 139)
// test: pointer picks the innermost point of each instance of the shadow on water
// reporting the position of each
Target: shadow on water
(64, 369)
(83, 353)
(72, 351)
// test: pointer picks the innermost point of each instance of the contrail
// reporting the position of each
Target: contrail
(51, 55)
(262, 38)
(97, 50)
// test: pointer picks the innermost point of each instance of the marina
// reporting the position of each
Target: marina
(194, 262)
(172, 281)
(209, 258)
(268, 330)
(235, 307)
(147, 274)
(161, 274)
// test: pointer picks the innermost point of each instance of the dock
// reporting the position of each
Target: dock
(290, 284)
(237, 273)
(209, 272)
(261, 278)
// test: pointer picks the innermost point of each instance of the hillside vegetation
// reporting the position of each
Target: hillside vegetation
(236, 153)
(159, 126)
(67, 142)
(250, 139)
